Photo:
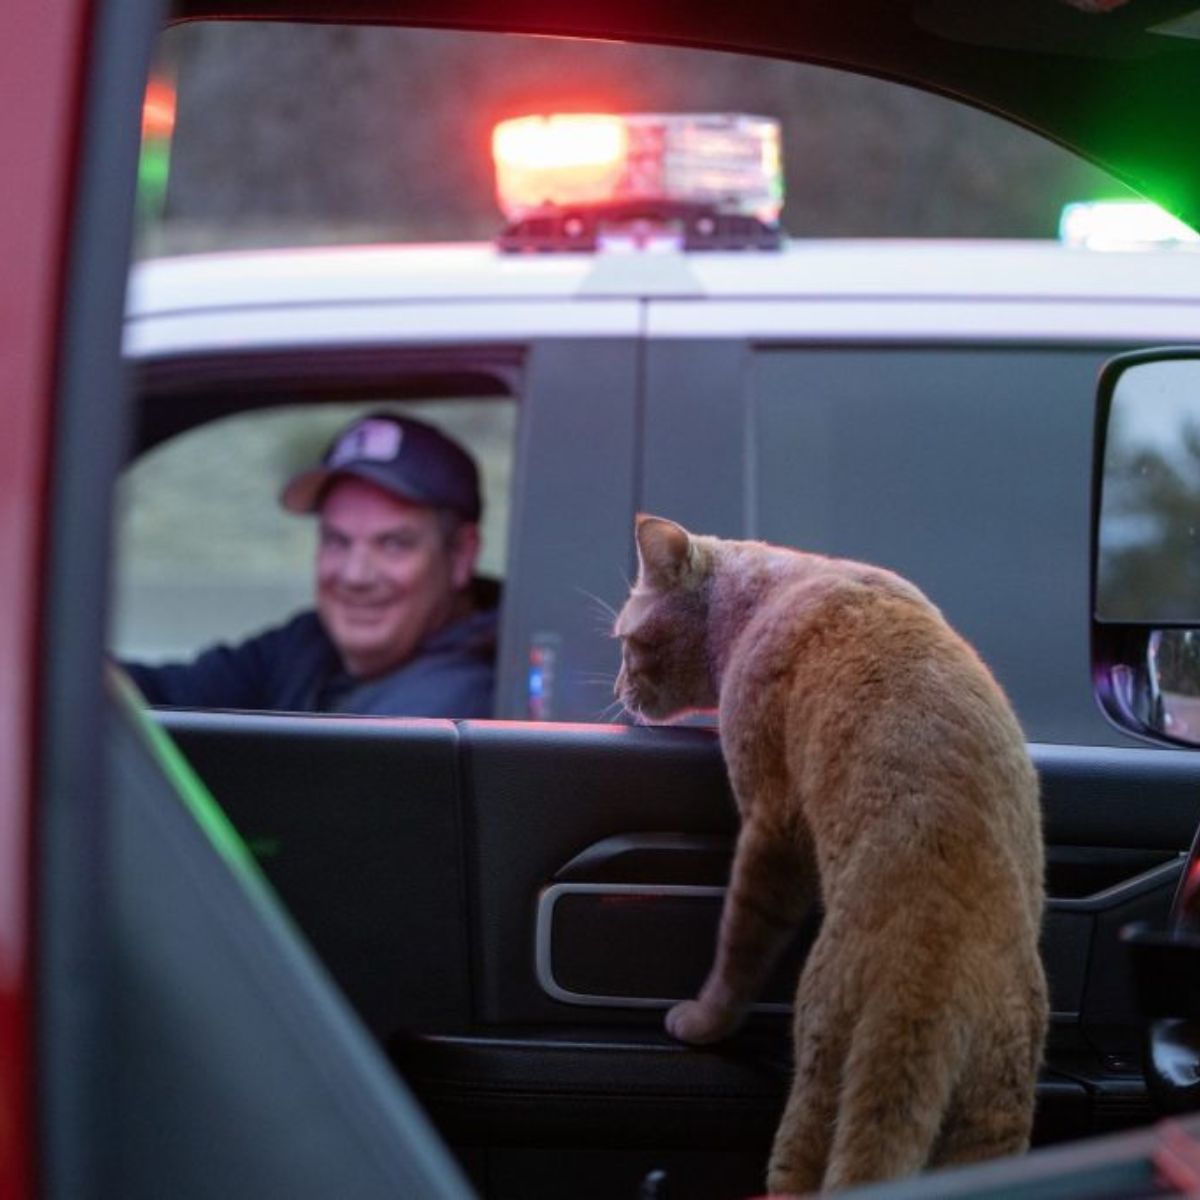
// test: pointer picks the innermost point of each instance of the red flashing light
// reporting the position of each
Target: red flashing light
(158, 109)
(574, 159)
(727, 164)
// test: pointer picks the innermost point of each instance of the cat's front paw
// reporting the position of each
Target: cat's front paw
(697, 1023)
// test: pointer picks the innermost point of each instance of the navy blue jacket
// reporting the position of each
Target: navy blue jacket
(296, 668)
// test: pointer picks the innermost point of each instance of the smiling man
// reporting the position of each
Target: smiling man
(402, 626)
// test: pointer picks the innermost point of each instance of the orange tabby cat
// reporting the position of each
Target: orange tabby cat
(878, 766)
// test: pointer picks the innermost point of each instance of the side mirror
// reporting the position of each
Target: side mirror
(1146, 653)
(1146, 545)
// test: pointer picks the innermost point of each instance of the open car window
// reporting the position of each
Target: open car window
(857, 382)
(207, 554)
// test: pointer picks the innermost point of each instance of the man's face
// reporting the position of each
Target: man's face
(386, 577)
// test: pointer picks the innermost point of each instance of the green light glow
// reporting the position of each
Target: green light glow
(154, 172)
(1122, 225)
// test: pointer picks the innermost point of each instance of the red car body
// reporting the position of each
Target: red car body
(43, 58)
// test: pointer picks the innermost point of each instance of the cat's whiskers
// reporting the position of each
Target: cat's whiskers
(605, 677)
(610, 714)
(607, 615)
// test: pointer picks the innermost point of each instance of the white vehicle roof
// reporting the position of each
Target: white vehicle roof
(927, 290)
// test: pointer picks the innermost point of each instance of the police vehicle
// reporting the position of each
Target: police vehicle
(643, 336)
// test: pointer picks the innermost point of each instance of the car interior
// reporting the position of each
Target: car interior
(392, 956)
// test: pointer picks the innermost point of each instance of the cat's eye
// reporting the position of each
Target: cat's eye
(642, 645)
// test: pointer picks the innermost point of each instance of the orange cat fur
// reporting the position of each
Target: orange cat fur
(878, 767)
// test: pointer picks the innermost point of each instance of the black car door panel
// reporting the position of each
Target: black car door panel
(511, 906)
(355, 823)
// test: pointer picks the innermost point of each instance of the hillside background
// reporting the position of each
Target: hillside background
(292, 133)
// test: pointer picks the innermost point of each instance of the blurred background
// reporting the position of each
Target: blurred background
(294, 134)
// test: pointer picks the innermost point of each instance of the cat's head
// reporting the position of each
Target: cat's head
(665, 661)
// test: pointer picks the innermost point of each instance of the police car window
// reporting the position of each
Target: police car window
(205, 552)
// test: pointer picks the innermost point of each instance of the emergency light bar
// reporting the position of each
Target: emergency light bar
(568, 181)
(1121, 225)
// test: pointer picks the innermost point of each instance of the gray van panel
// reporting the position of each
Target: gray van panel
(571, 525)
(987, 511)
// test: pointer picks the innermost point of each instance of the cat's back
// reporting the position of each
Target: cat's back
(843, 632)
(838, 632)
(887, 726)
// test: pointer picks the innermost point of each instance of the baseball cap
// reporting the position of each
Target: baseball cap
(403, 456)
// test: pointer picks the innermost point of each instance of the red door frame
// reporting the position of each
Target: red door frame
(43, 49)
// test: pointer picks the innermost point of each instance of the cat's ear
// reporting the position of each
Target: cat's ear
(664, 550)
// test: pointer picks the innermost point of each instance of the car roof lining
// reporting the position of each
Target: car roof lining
(1101, 84)
(799, 27)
